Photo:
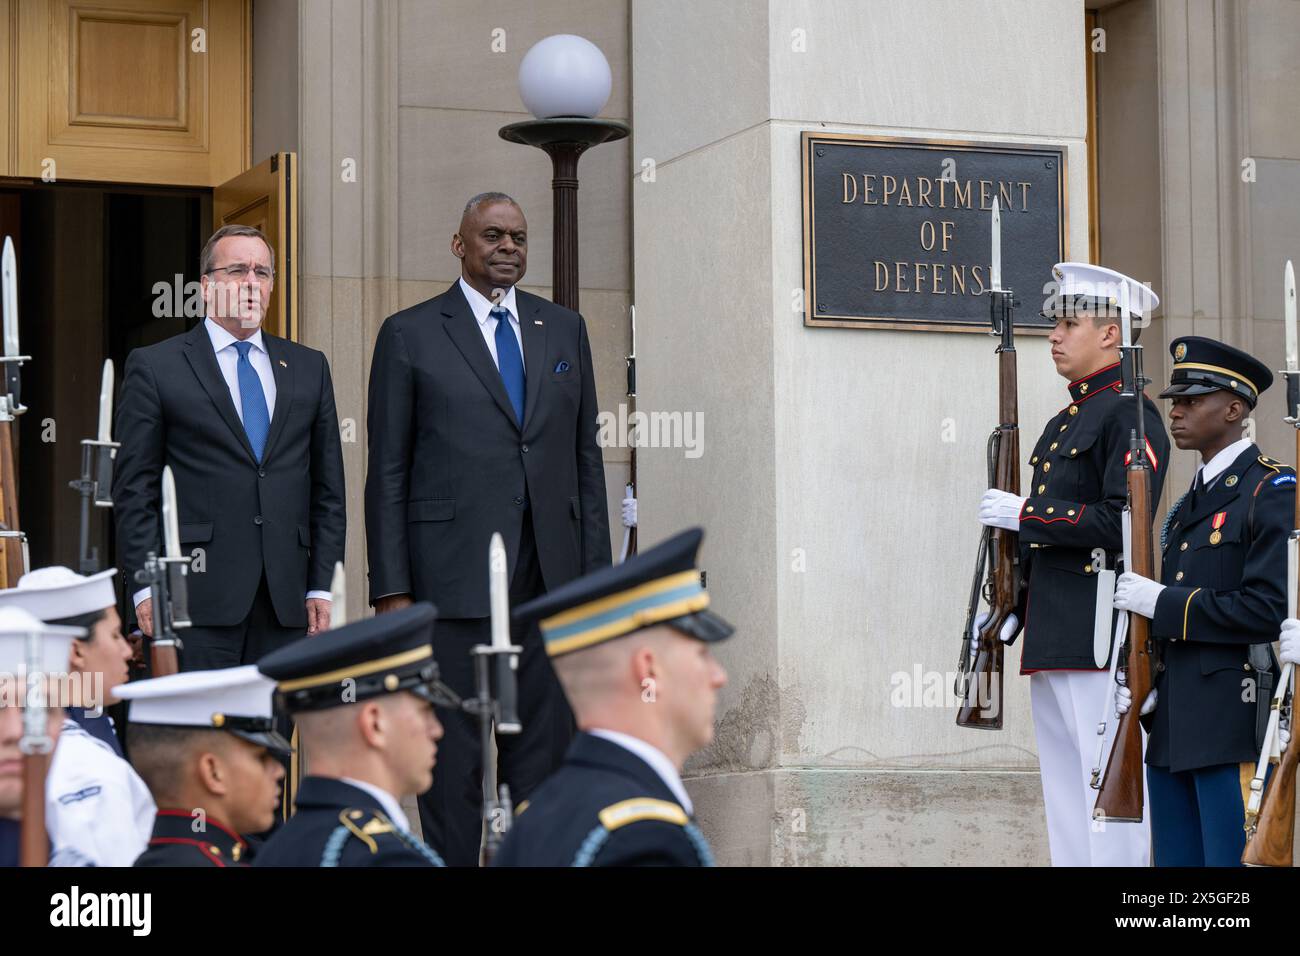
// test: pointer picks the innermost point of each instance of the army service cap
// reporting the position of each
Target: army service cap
(379, 655)
(659, 586)
(1204, 365)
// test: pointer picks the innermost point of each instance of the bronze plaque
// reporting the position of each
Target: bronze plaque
(897, 233)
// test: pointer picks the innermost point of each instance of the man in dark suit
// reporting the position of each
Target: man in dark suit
(482, 418)
(247, 422)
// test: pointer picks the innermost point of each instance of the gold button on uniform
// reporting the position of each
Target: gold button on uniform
(1073, 452)
(1074, 409)
(1064, 427)
(1034, 460)
(1087, 569)
(1183, 546)
(1053, 448)
(1050, 510)
(1070, 512)
(1042, 489)
(1178, 576)
(1030, 509)
(1047, 466)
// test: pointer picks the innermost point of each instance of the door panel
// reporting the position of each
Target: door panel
(114, 90)
(265, 196)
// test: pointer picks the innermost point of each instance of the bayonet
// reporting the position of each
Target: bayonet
(995, 269)
(338, 597)
(11, 400)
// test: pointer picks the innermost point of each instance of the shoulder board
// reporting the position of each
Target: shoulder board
(365, 825)
(1271, 463)
(642, 808)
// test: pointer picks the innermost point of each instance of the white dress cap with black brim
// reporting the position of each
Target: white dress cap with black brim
(237, 700)
(1082, 287)
(54, 593)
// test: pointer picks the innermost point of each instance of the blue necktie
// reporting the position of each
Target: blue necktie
(509, 361)
(257, 420)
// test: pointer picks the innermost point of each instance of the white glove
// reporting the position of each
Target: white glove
(1124, 700)
(1137, 594)
(1290, 638)
(1001, 509)
(629, 512)
(1009, 629)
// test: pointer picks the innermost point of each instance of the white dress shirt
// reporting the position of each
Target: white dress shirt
(223, 344)
(482, 309)
(392, 809)
(657, 760)
(1212, 469)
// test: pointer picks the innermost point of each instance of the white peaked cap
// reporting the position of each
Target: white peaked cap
(16, 625)
(1098, 282)
(235, 699)
(57, 592)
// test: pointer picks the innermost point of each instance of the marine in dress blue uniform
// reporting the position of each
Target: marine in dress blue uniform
(345, 815)
(1073, 506)
(618, 799)
(1219, 604)
(180, 726)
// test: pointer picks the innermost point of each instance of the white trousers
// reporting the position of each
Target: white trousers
(1067, 706)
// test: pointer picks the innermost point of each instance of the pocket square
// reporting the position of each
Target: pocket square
(561, 367)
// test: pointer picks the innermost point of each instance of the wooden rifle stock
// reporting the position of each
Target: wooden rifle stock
(980, 683)
(1272, 842)
(11, 567)
(1120, 797)
(33, 844)
(163, 659)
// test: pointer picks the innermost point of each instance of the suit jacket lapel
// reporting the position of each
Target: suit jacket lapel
(203, 360)
(464, 331)
(283, 371)
(534, 336)
(1225, 489)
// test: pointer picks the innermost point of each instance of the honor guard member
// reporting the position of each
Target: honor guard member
(206, 743)
(1218, 607)
(1075, 502)
(362, 696)
(56, 645)
(631, 646)
(98, 811)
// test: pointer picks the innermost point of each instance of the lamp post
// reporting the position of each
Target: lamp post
(564, 81)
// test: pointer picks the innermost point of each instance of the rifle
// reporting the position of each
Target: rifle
(1120, 796)
(14, 562)
(999, 549)
(629, 534)
(96, 481)
(168, 587)
(497, 660)
(1270, 812)
(36, 746)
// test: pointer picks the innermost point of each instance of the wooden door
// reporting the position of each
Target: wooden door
(129, 91)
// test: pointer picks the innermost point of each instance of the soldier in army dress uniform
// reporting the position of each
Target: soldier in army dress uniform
(206, 744)
(631, 646)
(1074, 506)
(1219, 603)
(363, 697)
